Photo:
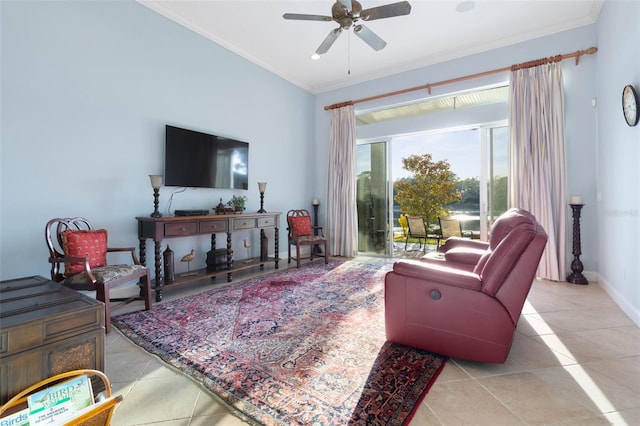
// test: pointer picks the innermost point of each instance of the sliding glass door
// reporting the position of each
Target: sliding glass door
(496, 166)
(372, 198)
(478, 157)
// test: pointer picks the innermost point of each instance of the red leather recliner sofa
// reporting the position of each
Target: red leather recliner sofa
(465, 302)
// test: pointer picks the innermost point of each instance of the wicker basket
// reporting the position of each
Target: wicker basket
(99, 414)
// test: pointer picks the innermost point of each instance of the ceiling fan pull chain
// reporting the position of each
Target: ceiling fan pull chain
(349, 53)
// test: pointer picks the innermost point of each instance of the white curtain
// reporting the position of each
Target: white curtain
(537, 140)
(342, 218)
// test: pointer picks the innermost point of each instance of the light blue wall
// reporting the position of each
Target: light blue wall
(617, 203)
(580, 115)
(87, 88)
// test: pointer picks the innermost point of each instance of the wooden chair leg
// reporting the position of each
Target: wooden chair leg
(289, 253)
(297, 255)
(326, 253)
(102, 294)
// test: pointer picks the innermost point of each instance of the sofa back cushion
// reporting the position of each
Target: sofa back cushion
(505, 223)
(516, 232)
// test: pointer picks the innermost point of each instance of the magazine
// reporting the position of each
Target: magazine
(60, 402)
(19, 418)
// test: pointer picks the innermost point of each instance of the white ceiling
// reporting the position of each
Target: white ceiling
(433, 32)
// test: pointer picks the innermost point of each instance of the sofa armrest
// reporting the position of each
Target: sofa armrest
(438, 274)
(456, 242)
(468, 255)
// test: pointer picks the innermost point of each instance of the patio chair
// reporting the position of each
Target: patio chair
(416, 228)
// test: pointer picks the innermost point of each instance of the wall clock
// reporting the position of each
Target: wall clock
(630, 105)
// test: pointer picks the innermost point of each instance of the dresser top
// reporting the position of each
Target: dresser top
(33, 298)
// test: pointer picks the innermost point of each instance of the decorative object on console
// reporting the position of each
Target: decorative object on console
(220, 208)
(237, 202)
(188, 258)
(247, 245)
(217, 259)
(264, 245)
(576, 277)
(261, 187)
(156, 183)
(167, 256)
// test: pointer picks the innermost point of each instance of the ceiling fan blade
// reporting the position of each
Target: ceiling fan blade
(328, 41)
(305, 17)
(386, 11)
(369, 37)
(345, 3)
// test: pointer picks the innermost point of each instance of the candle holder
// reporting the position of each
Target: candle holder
(262, 186)
(316, 204)
(156, 183)
(576, 276)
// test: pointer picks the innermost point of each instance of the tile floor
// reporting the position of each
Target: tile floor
(575, 361)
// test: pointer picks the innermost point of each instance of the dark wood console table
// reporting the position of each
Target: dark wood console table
(159, 228)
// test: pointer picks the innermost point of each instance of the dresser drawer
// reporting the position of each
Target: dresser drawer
(212, 226)
(46, 329)
(180, 229)
(266, 221)
(244, 224)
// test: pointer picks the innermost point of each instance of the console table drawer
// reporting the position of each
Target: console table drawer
(244, 224)
(180, 229)
(212, 226)
(266, 221)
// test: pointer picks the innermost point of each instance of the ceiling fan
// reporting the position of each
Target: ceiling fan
(348, 13)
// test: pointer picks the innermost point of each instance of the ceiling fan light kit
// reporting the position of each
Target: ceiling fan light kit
(347, 14)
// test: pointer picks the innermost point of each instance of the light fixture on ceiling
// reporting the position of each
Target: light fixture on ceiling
(465, 6)
(348, 14)
(315, 56)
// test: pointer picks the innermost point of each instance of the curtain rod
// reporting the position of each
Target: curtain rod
(577, 54)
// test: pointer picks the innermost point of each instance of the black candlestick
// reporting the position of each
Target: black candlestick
(262, 186)
(576, 276)
(156, 195)
(316, 248)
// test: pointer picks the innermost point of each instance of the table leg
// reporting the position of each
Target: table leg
(229, 258)
(158, 265)
(277, 251)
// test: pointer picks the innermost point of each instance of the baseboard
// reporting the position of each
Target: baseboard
(632, 312)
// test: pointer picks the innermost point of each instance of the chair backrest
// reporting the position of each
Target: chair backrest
(417, 227)
(299, 223)
(450, 227)
(509, 267)
(53, 236)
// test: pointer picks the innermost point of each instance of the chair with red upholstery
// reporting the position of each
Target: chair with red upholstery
(82, 250)
(302, 233)
(466, 301)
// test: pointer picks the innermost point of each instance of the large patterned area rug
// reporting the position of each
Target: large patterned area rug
(297, 347)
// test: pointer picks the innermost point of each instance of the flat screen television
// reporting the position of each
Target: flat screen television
(200, 160)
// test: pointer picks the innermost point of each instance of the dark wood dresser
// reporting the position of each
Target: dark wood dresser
(46, 329)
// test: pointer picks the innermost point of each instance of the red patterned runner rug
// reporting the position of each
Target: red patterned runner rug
(296, 347)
